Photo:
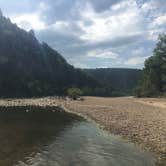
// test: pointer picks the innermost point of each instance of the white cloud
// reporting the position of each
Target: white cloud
(153, 33)
(32, 20)
(138, 51)
(160, 20)
(43, 6)
(81, 65)
(29, 21)
(104, 54)
(125, 21)
(148, 6)
(134, 61)
(60, 26)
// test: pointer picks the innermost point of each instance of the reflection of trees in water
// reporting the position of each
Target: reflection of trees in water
(25, 131)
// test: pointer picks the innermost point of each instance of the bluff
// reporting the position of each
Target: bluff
(31, 68)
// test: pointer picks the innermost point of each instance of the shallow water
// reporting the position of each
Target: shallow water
(46, 138)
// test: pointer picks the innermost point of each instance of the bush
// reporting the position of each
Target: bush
(74, 93)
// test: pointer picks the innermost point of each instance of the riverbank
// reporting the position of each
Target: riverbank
(142, 121)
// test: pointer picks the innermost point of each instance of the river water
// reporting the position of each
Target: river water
(46, 138)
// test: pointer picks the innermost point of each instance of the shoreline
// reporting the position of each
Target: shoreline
(140, 121)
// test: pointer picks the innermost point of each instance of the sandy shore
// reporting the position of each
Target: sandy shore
(142, 121)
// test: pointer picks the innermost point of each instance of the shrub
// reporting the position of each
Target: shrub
(74, 93)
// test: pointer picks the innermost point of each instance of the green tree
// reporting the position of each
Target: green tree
(74, 93)
(153, 82)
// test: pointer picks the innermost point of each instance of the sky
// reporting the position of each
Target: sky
(93, 33)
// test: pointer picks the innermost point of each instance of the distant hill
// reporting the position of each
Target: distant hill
(31, 68)
(122, 80)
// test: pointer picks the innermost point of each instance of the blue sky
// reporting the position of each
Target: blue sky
(93, 33)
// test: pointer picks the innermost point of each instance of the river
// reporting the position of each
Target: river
(55, 138)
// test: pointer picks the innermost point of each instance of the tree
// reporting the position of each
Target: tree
(153, 82)
(74, 93)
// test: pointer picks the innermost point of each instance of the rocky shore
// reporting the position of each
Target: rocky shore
(143, 121)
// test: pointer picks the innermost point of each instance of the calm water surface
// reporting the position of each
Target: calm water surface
(46, 138)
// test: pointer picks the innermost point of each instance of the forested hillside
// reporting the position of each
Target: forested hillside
(153, 81)
(29, 68)
(122, 80)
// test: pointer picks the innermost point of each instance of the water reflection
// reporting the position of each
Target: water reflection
(46, 138)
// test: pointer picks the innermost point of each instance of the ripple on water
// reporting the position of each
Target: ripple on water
(82, 143)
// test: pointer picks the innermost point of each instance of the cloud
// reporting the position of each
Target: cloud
(70, 9)
(102, 54)
(138, 51)
(81, 65)
(124, 20)
(160, 20)
(159, 3)
(29, 21)
(100, 6)
(134, 61)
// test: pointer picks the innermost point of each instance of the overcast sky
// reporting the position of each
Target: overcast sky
(93, 33)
